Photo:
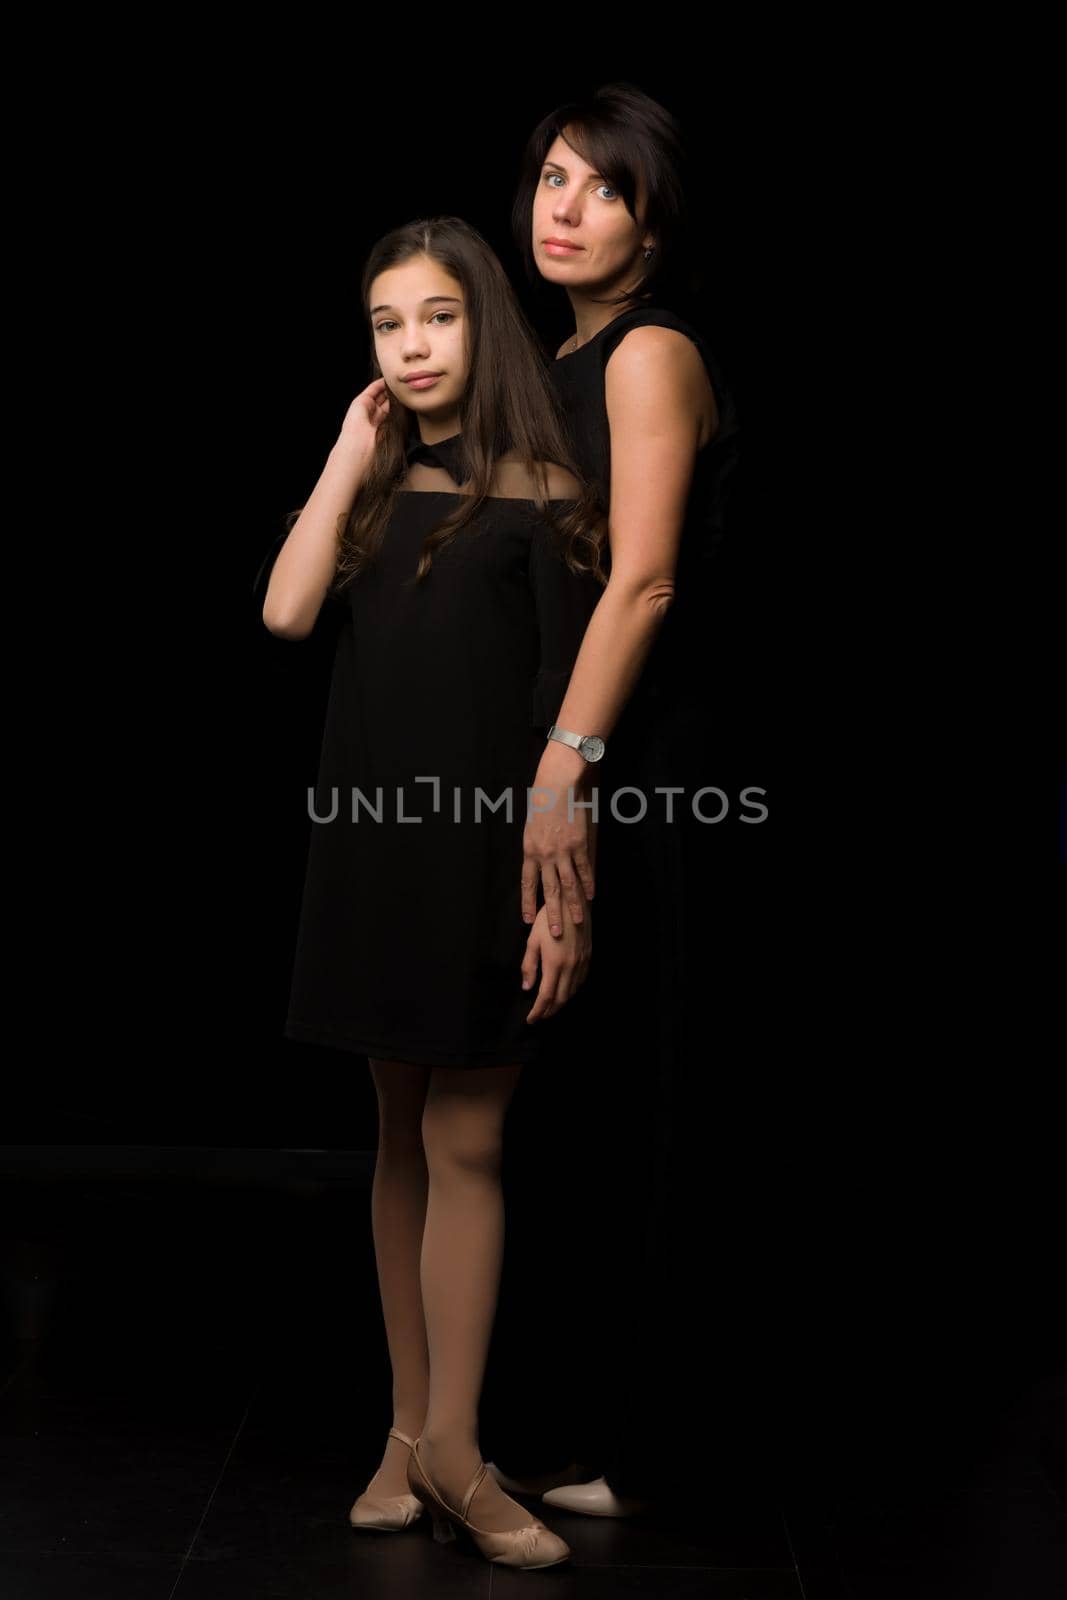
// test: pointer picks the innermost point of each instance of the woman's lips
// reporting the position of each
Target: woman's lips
(562, 249)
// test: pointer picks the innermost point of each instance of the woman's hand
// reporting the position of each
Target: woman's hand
(555, 844)
(564, 962)
(359, 430)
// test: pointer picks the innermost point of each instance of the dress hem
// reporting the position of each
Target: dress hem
(417, 1055)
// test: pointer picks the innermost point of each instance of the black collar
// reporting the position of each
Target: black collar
(447, 453)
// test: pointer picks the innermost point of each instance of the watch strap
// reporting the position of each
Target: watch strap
(573, 739)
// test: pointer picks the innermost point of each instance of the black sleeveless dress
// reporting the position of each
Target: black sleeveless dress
(410, 936)
(643, 976)
(619, 1155)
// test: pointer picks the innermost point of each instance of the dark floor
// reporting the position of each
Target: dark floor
(194, 1391)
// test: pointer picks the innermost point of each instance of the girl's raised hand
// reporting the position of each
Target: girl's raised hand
(359, 430)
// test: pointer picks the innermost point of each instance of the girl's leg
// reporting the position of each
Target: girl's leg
(398, 1215)
(462, 1254)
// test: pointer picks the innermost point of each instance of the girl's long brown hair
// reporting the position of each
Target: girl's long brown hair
(509, 405)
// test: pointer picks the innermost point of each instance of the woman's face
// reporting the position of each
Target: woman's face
(572, 202)
(417, 315)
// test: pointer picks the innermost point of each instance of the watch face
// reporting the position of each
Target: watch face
(592, 747)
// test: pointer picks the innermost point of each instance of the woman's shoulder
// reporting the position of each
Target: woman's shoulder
(656, 366)
(660, 345)
(647, 339)
(655, 330)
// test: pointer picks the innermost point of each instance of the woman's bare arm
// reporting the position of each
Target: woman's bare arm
(655, 397)
(655, 392)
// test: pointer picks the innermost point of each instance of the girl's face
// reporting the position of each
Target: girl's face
(572, 202)
(417, 315)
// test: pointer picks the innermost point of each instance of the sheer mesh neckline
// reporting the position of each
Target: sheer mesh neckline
(507, 499)
(446, 456)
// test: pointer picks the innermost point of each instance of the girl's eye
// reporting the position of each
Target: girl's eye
(380, 327)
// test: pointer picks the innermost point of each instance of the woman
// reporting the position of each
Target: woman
(464, 553)
(598, 214)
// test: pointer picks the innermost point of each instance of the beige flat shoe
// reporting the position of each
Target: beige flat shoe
(531, 1546)
(387, 1513)
(594, 1499)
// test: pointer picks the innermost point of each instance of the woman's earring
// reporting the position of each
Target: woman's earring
(649, 253)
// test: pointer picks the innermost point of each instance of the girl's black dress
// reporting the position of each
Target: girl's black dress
(410, 937)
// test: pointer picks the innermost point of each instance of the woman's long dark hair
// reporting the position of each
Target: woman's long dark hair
(509, 405)
(622, 133)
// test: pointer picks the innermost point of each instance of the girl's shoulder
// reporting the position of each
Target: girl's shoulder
(516, 480)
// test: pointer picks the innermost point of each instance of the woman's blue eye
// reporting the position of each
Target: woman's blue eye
(550, 175)
(390, 324)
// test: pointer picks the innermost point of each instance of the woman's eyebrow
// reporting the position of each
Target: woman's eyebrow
(431, 300)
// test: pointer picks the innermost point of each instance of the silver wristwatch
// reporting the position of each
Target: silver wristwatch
(590, 745)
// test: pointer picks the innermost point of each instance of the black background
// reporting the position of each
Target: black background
(872, 1101)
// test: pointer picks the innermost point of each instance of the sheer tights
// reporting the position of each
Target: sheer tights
(437, 1213)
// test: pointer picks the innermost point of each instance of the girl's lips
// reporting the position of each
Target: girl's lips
(421, 383)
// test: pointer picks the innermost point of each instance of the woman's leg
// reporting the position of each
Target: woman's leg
(462, 1254)
(398, 1215)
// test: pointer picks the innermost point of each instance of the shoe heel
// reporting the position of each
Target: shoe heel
(443, 1531)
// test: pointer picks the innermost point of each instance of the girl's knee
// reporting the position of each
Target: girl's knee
(462, 1136)
(463, 1118)
(463, 1158)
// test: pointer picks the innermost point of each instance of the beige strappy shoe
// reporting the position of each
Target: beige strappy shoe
(534, 1545)
(387, 1513)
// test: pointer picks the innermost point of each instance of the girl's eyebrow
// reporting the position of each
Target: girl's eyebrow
(431, 300)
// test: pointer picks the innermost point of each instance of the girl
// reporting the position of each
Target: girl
(598, 214)
(450, 528)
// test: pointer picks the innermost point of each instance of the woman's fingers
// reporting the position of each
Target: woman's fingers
(553, 898)
(563, 880)
(584, 868)
(573, 892)
(531, 877)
